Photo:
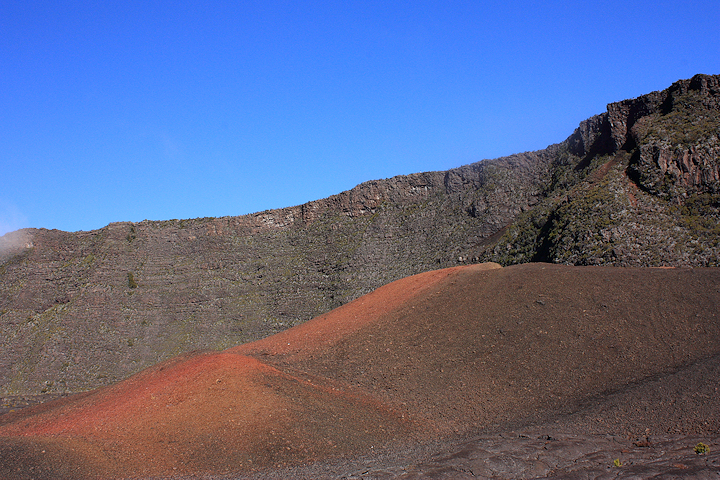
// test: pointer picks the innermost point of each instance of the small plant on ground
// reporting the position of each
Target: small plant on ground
(701, 449)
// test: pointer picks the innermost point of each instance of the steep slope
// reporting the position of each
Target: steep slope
(440, 355)
(635, 186)
(79, 310)
(638, 185)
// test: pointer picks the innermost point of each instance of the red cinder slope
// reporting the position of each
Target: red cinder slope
(486, 347)
(444, 353)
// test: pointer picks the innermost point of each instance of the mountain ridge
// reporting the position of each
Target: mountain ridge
(634, 186)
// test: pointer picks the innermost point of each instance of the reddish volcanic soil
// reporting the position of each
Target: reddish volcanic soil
(418, 366)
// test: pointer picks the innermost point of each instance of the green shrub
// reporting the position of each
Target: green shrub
(131, 280)
(701, 449)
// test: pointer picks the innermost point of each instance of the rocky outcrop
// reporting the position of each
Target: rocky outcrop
(677, 148)
(637, 185)
(687, 168)
(674, 133)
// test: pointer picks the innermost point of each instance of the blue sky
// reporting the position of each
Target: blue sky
(125, 111)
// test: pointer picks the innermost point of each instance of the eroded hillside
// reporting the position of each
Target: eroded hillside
(79, 310)
(435, 357)
(637, 185)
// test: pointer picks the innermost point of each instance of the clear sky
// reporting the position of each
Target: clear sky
(132, 110)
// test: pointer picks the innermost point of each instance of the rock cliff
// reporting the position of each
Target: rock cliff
(637, 185)
(84, 309)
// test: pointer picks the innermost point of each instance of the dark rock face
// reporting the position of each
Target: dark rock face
(83, 309)
(678, 147)
(674, 133)
(637, 185)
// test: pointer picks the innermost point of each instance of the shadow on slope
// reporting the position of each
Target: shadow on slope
(440, 355)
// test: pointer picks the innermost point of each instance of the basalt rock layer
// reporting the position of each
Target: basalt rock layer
(635, 186)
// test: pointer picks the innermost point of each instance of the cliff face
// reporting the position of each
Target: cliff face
(677, 146)
(637, 185)
(84, 309)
